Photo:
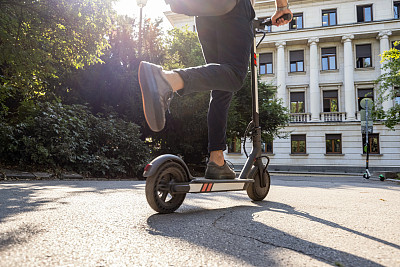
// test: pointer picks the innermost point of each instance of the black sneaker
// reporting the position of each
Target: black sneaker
(214, 171)
(156, 94)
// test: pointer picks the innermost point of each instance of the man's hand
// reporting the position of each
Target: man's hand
(277, 21)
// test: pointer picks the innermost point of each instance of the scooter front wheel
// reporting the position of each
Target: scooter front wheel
(158, 193)
(254, 190)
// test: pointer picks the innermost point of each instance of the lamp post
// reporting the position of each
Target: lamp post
(141, 4)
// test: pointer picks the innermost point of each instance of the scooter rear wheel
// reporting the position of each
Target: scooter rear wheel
(255, 191)
(158, 192)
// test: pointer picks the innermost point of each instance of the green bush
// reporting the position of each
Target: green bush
(68, 137)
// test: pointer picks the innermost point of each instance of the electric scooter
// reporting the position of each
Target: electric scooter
(168, 178)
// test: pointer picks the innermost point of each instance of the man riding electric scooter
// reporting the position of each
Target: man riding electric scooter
(225, 32)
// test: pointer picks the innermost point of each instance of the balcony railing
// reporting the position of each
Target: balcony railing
(299, 117)
(333, 116)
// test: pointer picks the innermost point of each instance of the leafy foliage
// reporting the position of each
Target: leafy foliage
(41, 39)
(183, 49)
(115, 82)
(56, 136)
(389, 87)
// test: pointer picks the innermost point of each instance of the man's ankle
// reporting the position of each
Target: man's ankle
(174, 80)
(217, 157)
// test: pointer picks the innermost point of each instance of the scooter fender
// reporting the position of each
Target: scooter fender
(154, 165)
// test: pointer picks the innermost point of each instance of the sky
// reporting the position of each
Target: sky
(153, 9)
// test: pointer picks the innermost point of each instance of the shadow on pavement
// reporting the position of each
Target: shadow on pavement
(17, 236)
(19, 199)
(221, 230)
(23, 196)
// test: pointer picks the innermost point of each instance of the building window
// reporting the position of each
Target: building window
(396, 9)
(266, 63)
(297, 102)
(297, 61)
(333, 143)
(397, 96)
(364, 57)
(297, 22)
(364, 13)
(329, 17)
(298, 143)
(330, 102)
(328, 58)
(267, 147)
(373, 146)
(234, 145)
(364, 93)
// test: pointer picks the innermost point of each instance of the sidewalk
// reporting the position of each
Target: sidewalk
(7, 174)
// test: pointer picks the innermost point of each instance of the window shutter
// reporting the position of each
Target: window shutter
(297, 97)
(363, 50)
(328, 51)
(329, 94)
(365, 93)
(333, 136)
(299, 137)
(266, 58)
(297, 55)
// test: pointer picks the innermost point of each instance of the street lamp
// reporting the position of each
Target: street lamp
(141, 4)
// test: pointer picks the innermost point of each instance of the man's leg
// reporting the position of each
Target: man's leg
(232, 51)
(226, 42)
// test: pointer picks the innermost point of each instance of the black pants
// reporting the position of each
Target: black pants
(226, 42)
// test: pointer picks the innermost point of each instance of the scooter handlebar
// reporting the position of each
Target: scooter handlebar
(268, 21)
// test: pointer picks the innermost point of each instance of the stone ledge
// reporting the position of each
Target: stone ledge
(6, 174)
(43, 175)
(11, 174)
(67, 176)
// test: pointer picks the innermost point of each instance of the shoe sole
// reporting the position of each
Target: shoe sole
(223, 177)
(150, 98)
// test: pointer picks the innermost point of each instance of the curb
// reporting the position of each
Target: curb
(6, 174)
(317, 173)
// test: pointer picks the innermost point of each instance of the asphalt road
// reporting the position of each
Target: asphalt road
(305, 221)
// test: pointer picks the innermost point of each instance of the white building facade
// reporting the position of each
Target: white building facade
(323, 64)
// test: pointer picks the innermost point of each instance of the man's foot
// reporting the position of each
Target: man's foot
(156, 94)
(214, 171)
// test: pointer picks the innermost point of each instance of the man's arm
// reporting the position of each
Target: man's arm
(282, 8)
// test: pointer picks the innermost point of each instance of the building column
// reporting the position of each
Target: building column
(315, 92)
(383, 36)
(281, 73)
(349, 90)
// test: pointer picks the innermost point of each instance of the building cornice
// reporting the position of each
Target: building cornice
(358, 30)
(297, 86)
(331, 84)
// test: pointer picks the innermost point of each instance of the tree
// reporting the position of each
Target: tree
(114, 83)
(40, 40)
(183, 48)
(389, 87)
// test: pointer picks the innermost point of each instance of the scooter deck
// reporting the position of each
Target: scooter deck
(202, 185)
